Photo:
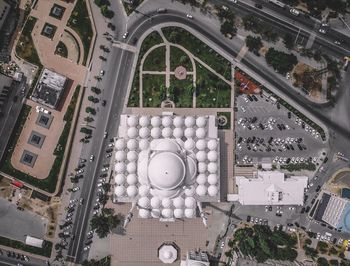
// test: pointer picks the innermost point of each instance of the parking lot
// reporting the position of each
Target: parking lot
(267, 132)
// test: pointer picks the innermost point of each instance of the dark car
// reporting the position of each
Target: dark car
(258, 6)
(248, 218)
(104, 103)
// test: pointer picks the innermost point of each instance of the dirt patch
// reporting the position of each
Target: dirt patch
(306, 77)
(5, 187)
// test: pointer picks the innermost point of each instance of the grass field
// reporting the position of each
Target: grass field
(182, 95)
(153, 94)
(155, 61)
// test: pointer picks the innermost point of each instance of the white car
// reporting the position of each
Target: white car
(102, 72)
(322, 30)
(125, 35)
(75, 189)
(189, 16)
(105, 134)
(80, 171)
(92, 157)
(39, 109)
(86, 248)
(337, 42)
(294, 12)
(234, 1)
(105, 169)
(225, 8)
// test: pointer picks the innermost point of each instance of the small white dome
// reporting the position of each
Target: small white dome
(178, 121)
(156, 132)
(120, 156)
(213, 190)
(178, 132)
(132, 156)
(178, 213)
(189, 144)
(190, 202)
(190, 213)
(143, 202)
(119, 168)
(189, 121)
(167, 132)
(201, 179)
(131, 191)
(212, 156)
(143, 144)
(201, 190)
(212, 144)
(144, 214)
(167, 213)
(201, 144)
(178, 202)
(189, 192)
(143, 190)
(167, 203)
(200, 133)
(201, 121)
(132, 132)
(201, 156)
(132, 144)
(212, 168)
(167, 121)
(120, 144)
(144, 132)
(132, 121)
(119, 179)
(119, 191)
(155, 202)
(144, 121)
(202, 167)
(155, 213)
(212, 179)
(131, 168)
(156, 121)
(131, 179)
(189, 132)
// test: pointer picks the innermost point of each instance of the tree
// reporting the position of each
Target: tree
(310, 252)
(85, 130)
(106, 12)
(190, 89)
(334, 262)
(280, 61)
(288, 41)
(88, 119)
(183, 59)
(95, 90)
(174, 37)
(322, 261)
(228, 28)
(253, 43)
(93, 99)
(105, 222)
(90, 110)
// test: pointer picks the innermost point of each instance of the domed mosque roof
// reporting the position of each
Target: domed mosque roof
(156, 121)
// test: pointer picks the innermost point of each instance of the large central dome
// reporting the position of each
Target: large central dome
(166, 170)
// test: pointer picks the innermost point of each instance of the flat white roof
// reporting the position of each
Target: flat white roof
(35, 242)
(271, 188)
(334, 210)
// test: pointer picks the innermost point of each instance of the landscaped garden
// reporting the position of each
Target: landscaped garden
(154, 90)
(155, 60)
(179, 58)
(61, 49)
(181, 91)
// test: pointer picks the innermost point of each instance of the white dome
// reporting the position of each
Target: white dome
(178, 132)
(120, 156)
(189, 132)
(155, 202)
(212, 179)
(200, 133)
(144, 121)
(178, 213)
(132, 144)
(143, 190)
(201, 156)
(131, 191)
(191, 170)
(190, 202)
(166, 170)
(212, 168)
(201, 179)
(167, 213)
(167, 121)
(201, 144)
(201, 121)
(213, 191)
(120, 144)
(212, 156)
(132, 156)
(143, 144)
(119, 191)
(132, 132)
(131, 179)
(167, 132)
(178, 202)
(165, 145)
(144, 132)
(202, 167)
(156, 132)
(190, 213)
(189, 144)
(131, 167)
(119, 168)
(156, 121)
(201, 190)
(167, 254)
(143, 202)
(167, 203)
(119, 179)
(189, 192)
(212, 144)
(132, 121)
(155, 213)
(144, 213)
(189, 121)
(178, 121)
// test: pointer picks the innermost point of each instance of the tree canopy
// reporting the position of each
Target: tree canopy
(280, 61)
(105, 222)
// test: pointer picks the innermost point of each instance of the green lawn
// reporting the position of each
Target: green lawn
(199, 49)
(61, 49)
(179, 58)
(80, 22)
(211, 90)
(182, 96)
(155, 61)
(152, 92)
